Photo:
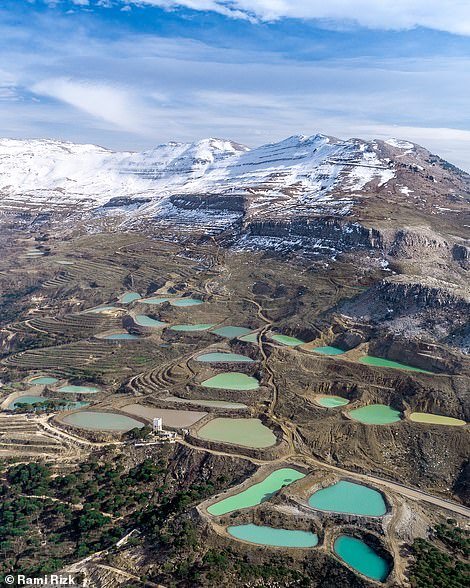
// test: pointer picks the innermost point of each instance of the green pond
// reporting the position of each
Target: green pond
(145, 321)
(35, 399)
(261, 535)
(286, 340)
(257, 493)
(43, 380)
(129, 297)
(202, 402)
(218, 357)
(231, 332)
(191, 328)
(101, 421)
(328, 350)
(331, 401)
(361, 557)
(375, 414)
(246, 432)
(250, 338)
(232, 381)
(186, 302)
(350, 498)
(121, 337)
(156, 300)
(435, 419)
(72, 389)
(381, 362)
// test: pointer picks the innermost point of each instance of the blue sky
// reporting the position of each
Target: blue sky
(129, 74)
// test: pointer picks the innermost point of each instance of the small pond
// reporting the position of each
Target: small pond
(286, 340)
(246, 432)
(375, 414)
(72, 389)
(231, 332)
(129, 297)
(261, 535)
(232, 381)
(328, 350)
(331, 401)
(146, 321)
(257, 493)
(361, 557)
(121, 337)
(435, 419)
(186, 302)
(101, 421)
(250, 338)
(218, 357)
(43, 380)
(41, 399)
(154, 300)
(387, 363)
(348, 497)
(191, 328)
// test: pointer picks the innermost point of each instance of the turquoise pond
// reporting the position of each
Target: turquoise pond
(219, 357)
(287, 340)
(331, 401)
(375, 414)
(36, 399)
(192, 328)
(361, 557)
(387, 363)
(43, 380)
(257, 493)
(129, 297)
(101, 421)
(186, 302)
(231, 332)
(232, 381)
(72, 389)
(328, 350)
(121, 337)
(155, 300)
(261, 535)
(347, 497)
(250, 338)
(146, 321)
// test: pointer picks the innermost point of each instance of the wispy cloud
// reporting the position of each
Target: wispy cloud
(452, 15)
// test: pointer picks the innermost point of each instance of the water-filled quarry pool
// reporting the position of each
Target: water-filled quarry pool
(331, 401)
(287, 340)
(261, 535)
(40, 399)
(221, 357)
(174, 418)
(348, 497)
(101, 421)
(257, 493)
(250, 338)
(186, 302)
(146, 321)
(191, 328)
(245, 432)
(129, 297)
(154, 300)
(328, 350)
(121, 337)
(203, 402)
(387, 363)
(232, 381)
(73, 389)
(435, 419)
(231, 332)
(361, 557)
(43, 380)
(375, 414)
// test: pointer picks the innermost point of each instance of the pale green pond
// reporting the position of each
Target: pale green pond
(155, 300)
(246, 432)
(331, 401)
(186, 302)
(100, 309)
(232, 381)
(37, 399)
(375, 414)
(286, 340)
(218, 357)
(129, 297)
(261, 535)
(257, 493)
(361, 557)
(121, 337)
(191, 328)
(145, 321)
(350, 498)
(250, 338)
(73, 389)
(387, 363)
(202, 402)
(231, 332)
(43, 380)
(101, 421)
(435, 419)
(328, 350)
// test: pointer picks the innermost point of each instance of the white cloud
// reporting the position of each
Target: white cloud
(451, 15)
(106, 102)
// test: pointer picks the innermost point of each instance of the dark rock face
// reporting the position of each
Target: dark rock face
(224, 203)
(124, 202)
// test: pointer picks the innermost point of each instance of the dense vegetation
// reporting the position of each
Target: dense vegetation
(442, 563)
